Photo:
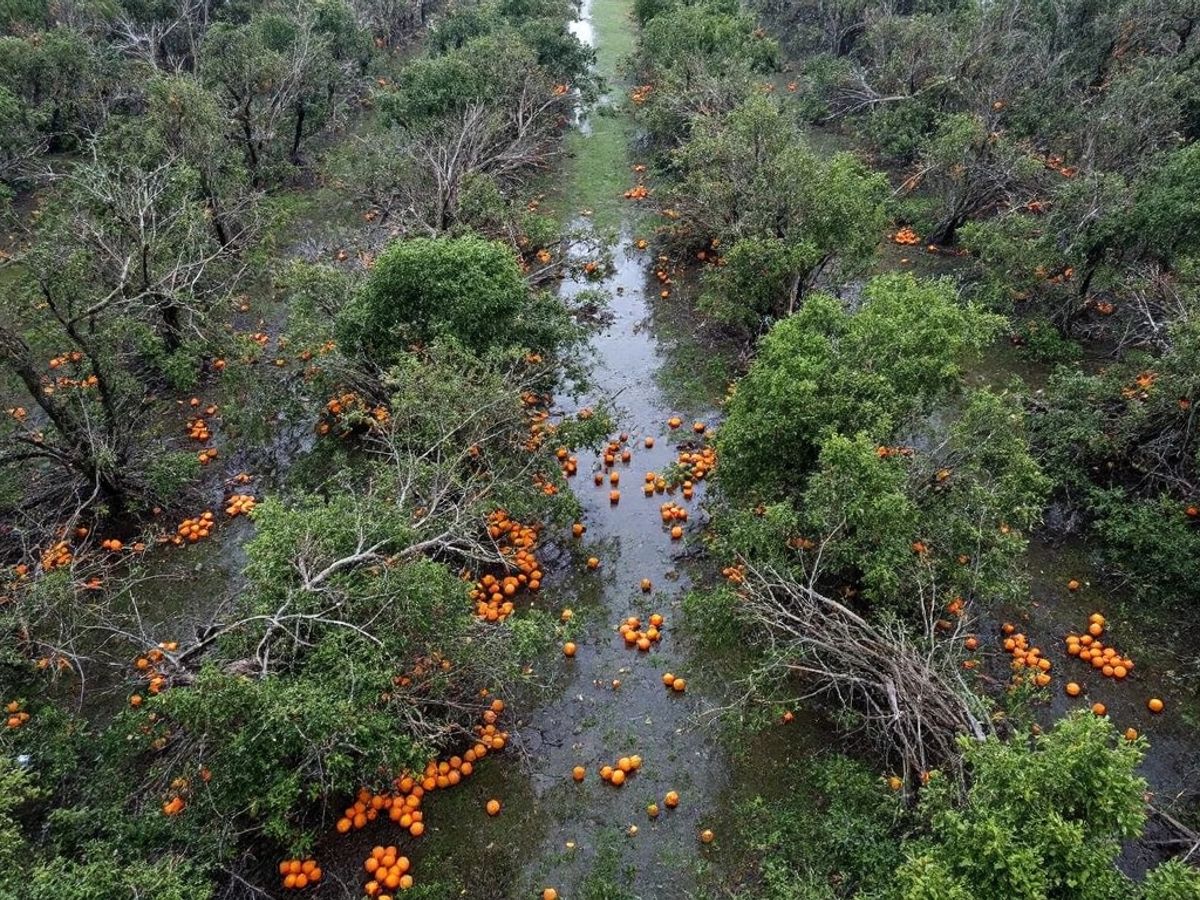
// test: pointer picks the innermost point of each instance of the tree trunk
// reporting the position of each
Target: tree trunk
(214, 205)
(248, 139)
(172, 330)
(298, 133)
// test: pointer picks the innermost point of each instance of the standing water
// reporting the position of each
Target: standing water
(589, 838)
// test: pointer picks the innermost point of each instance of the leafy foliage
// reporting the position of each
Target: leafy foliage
(1042, 818)
(727, 194)
(825, 369)
(1038, 820)
(468, 289)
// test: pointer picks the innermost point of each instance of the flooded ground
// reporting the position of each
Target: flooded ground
(590, 839)
(609, 701)
(593, 840)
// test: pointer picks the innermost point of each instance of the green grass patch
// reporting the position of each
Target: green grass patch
(598, 169)
(612, 22)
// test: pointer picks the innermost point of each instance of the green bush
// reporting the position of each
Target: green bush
(1041, 819)
(825, 369)
(465, 288)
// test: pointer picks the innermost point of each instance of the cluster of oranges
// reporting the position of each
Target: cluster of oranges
(696, 464)
(638, 192)
(1090, 649)
(112, 545)
(570, 464)
(539, 416)
(337, 408)
(17, 715)
(735, 574)
(615, 450)
(800, 542)
(616, 775)
(1140, 389)
(367, 806)
(674, 683)
(664, 278)
(298, 874)
(906, 236)
(1056, 163)
(633, 635)
(63, 381)
(672, 514)
(1025, 657)
(18, 412)
(654, 483)
(423, 666)
(62, 359)
(885, 452)
(57, 362)
(207, 455)
(494, 596)
(1053, 276)
(544, 484)
(194, 529)
(149, 667)
(240, 505)
(197, 429)
(640, 93)
(323, 349)
(54, 660)
(388, 871)
(56, 556)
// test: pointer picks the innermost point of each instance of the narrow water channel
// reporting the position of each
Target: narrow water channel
(609, 701)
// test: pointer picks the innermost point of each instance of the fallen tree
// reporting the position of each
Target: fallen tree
(904, 685)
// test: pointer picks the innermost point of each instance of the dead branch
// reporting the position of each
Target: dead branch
(904, 688)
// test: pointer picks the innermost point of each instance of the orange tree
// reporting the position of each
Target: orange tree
(466, 289)
(771, 244)
(111, 298)
(352, 651)
(1040, 819)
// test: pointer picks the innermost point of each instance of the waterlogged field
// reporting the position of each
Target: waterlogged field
(606, 451)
